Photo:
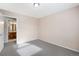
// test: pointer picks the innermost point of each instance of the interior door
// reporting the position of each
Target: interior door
(1, 33)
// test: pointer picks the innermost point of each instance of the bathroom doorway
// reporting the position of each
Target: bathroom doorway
(12, 30)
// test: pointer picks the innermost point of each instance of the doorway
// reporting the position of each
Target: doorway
(10, 31)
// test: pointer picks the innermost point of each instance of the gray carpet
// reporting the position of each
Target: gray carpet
(46, 50)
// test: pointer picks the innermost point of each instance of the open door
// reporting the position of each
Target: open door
(1, 33)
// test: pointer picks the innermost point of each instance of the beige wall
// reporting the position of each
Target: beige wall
(26, 27)
(61, 29)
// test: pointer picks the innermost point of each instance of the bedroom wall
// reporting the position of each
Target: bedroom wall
(61, 29)
(26, 26)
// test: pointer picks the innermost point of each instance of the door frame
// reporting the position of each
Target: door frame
(2, 34)
(5, 16)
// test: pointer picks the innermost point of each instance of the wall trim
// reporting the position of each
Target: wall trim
(61, 46)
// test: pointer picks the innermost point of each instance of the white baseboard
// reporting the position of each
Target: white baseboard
(21, 42)
(62, 46)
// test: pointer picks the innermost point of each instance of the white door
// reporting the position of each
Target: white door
(1, 33)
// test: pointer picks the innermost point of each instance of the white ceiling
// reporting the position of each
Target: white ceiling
(43, 10)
